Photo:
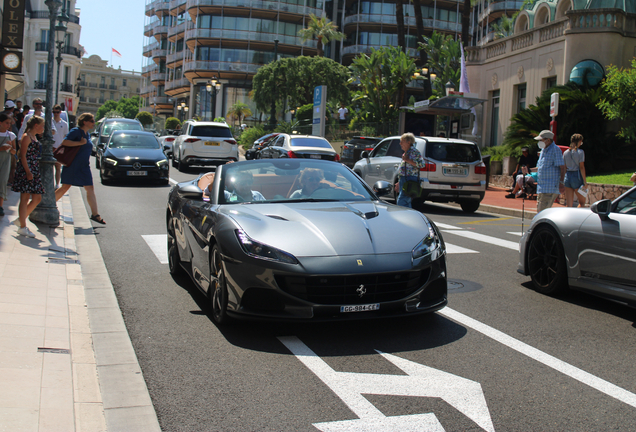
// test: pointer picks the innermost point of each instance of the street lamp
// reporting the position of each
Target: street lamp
(424, 71)
(433, 76)
(449, 88)
(213, 87)
(46, 211)
(60, 35)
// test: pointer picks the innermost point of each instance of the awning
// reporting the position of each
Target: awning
(448, 105)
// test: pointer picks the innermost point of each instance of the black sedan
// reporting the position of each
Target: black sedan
(252, 152)
(302, 239)
(132, 155)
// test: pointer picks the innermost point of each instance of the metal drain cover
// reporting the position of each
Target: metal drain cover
(462, 286)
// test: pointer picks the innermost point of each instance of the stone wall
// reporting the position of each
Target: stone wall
(595, 193)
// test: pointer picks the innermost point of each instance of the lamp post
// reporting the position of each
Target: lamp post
(272, 118)
(449, 88)
(60, 34)
(46, 211)
(213, 88)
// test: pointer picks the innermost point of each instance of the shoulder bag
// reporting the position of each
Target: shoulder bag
(411, 188)
(65, 155)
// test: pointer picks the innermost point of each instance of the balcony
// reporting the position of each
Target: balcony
(68, 88)
(178, 57)
(160, 100)
(178, 30)
(147, 51)
(159, 30)
(147, 90)
(408, 22)
(39, 85)
(498, 6)
(112, 87)
(103, 86)
(150, 8)
(177, 7)
(214, 66)
(93, 85)
(247, 36)
(254, 4)
(161, 7)
(71, 50)
(158, 76)
(148, 28)
(181, 83)
(149, 68)
(159, 53)
(44, 14)
(42, 46)
(366, 49)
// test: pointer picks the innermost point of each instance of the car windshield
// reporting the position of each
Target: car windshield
(109, 128)
(310, 142)
(452, 152)
(125, 140)
(285, 180)
(211, 131)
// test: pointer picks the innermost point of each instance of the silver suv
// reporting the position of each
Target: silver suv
(203, 143)
(453, 170)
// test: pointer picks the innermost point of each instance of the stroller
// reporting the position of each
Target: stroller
(529, 187)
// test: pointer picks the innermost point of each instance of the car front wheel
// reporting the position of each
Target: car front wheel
(546, 262)
(217, 293)
(174, 260)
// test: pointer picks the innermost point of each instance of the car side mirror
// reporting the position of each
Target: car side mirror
(101, 146)
(602, 208)
(166, 147)
(364, 155)
(382, 188)
(94, 134)
(191, 192)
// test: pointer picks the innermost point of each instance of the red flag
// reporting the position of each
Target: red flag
(116, 52)
(69, 104)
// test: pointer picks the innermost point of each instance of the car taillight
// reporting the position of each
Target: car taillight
(428, 166)
(191, 140)
(231, 141)
(169, 139)
(480, 169)
(368, 149)
(337, 158)
(291, 154)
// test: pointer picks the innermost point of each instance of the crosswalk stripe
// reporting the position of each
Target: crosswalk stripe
(454, 249)
(446, 226)
(158, 244)
(485, 238)
(517, 233)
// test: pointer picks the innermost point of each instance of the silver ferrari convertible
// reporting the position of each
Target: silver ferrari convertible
(303, 239)
(591, 250)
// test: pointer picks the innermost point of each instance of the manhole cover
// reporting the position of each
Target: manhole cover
(462, 286)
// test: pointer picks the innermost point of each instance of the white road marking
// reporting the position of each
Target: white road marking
(484, 238)
(446, 226)
(454, 249)
(173, 181)
(548, 360)
(420, 381)
(515, 233)
(159, 245)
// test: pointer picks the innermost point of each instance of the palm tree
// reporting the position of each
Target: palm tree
(321, 29)
(239, 111)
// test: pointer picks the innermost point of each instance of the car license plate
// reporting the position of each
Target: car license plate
(455, 171)
(360, 308)
(137, 173)
(314, 156)
(211, 143)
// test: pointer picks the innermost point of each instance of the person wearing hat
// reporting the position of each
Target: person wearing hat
(550, 171)
(9, 108)
(524, 160)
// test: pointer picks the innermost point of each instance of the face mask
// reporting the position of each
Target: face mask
(541, 145)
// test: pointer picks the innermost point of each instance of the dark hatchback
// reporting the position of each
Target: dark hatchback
(132, 155)
(252, 153)
(356, 145)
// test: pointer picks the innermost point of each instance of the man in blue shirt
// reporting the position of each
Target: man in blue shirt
(550, 171)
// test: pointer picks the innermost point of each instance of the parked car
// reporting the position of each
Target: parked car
(132, 155)
(258, 145)
(257, 248)
(587, 249)
(203, 143)
(453, 170)
(167, 141)
(352, 149)
(299, 146)
(106, 126)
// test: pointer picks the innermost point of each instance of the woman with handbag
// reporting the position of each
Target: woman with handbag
(409, 170)
(575, 177)
(78, 173)
(27, 180)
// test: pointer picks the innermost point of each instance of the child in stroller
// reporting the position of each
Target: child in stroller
(525, 185)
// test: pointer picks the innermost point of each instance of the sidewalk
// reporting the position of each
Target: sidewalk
(66, 361)
(495, 201)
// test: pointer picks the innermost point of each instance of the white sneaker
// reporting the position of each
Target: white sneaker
(26, 232)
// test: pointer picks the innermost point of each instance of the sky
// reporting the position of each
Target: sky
(118, 24)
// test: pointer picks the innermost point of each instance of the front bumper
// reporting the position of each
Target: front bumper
(124, 172)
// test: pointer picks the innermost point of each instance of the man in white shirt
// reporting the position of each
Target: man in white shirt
(37, 110)
(61, 131)
(342, 116)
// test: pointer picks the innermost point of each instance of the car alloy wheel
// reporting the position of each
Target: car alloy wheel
(546, 262)
(174, 260)
(217, 293)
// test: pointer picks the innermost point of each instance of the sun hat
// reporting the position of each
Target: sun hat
(544, 134)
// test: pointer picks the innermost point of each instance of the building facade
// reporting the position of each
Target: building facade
(99, 83)
(554, 42)
(191, 42)
(32, 84)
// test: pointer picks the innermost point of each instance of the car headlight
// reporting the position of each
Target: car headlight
(262, 251)
(163, 162)
(428, 244)
(110, 161)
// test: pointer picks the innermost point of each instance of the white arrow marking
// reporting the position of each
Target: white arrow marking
(421, 381)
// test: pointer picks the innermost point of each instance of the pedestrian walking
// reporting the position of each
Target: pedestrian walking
(62, 130)
(409, 168)
(78, 173)
(550, 171)
(27, 179)
(575, 177)
(7, 153)
(342, 116)
(37, 111)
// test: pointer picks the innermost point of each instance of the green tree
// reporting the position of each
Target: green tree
(290, 82)
(444, 58)
(239, 111)
(504, 26)
(380, 79)
(129, 107)
(145, 118)
(109, 106)
(321, 29)
(172, 123)
(619, 102)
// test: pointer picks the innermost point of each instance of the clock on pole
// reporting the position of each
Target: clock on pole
(11, 61)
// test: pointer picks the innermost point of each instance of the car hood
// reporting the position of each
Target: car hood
(143, 154)
(331, 228)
